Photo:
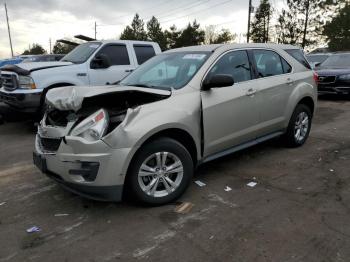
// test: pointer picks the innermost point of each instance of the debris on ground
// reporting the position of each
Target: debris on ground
(211, 237)
(2, 203)
(200, 183)
(320, 159)
(61, 215)
(184, 208)
(33, 229)
(252, 184)
(336, 151)
(227, 188)
(331, 170)
(299, 188)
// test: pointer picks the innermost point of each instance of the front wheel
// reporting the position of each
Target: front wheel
(299, 126)
(160, 172)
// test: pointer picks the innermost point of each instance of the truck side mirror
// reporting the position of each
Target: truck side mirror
(100, 61)
(218, 80)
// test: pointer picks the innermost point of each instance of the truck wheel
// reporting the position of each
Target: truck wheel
(299, 126)
(160, 172)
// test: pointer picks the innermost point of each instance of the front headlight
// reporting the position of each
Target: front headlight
(26, 82)
(94, 127)
(344, 77)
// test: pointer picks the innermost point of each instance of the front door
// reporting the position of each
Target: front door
(121, 64)
(230, 114)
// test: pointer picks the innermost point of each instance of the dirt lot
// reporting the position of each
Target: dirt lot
(299, 210)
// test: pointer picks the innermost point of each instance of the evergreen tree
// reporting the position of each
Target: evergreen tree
(287, 29)
(172, 37)
(156, 34)
(135, 31)
(191, 35)
(337, 31)
(223, 37)
(261, 22)
(35, 49)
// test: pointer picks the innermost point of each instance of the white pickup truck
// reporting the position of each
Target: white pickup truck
(24, 86)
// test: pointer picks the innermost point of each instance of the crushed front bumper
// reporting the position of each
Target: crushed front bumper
(90, 169)
(22, 100)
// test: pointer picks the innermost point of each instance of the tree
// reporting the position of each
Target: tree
(191, 35)
(261, 23)
(156, 34)
(310, 16)
(213, 37)
(35, 49)
(287, 28)
(224, 37)
(136, 31)
(60, 48)
(337, 31)
(172, 37)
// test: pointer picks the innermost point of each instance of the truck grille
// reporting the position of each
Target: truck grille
(9, 81)
(326, 79)
(49, 144)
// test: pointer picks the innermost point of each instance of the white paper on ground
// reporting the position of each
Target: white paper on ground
(200, 183)
(227, 188)
(252, 184)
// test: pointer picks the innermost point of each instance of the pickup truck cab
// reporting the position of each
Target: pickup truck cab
(24, 86)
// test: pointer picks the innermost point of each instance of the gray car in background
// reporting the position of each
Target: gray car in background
(178, 110)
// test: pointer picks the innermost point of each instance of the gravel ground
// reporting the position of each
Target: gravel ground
(298, 211)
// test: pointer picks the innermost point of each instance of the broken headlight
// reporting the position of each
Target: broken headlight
(93, 127)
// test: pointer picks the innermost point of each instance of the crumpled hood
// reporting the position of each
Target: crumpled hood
(71, 97)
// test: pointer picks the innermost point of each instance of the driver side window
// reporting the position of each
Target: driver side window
(235, 64)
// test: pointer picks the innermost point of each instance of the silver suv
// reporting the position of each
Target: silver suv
(187, 106)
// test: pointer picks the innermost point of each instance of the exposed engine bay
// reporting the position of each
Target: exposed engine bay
(116, 104)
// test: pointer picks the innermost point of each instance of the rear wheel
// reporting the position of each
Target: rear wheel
(299, 126)
(160, 172)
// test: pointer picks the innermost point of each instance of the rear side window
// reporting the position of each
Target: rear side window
(236, 64)
(117, 54)
(286, 67)
(143, 53)
(298, 55)
(268, 63)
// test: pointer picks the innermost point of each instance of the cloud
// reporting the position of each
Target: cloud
(35, 21)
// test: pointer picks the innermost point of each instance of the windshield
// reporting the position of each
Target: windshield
(166, 71)
(81, 53)
(337, 61)
(317, 58)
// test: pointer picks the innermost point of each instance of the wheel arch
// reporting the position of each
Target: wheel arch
(309, 102)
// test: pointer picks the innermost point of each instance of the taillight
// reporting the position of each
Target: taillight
(315, 77)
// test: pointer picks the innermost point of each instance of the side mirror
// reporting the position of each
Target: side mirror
(100, 61)
(218, 80)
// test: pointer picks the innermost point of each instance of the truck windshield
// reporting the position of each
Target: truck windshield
(166, 71)
(81, 53)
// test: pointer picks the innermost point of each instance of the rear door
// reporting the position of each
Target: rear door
(121, 64)
(275, 82)
(230, 114)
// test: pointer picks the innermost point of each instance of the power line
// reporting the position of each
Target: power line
(203, 10)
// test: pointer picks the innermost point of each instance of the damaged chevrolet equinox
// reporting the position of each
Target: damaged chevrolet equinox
(146, 135)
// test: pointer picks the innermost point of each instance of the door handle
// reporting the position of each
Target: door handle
(289, 81)
(129, 70)
(251, 92)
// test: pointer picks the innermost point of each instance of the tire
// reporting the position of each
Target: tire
(301, 120)
(145, 172)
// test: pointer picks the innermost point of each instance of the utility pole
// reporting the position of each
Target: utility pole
(50, 45)
(249, 12)
(95, 30)
(8, 29)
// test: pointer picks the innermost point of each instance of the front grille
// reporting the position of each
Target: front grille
(49, 144)
(326, 79)
(9, 81)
